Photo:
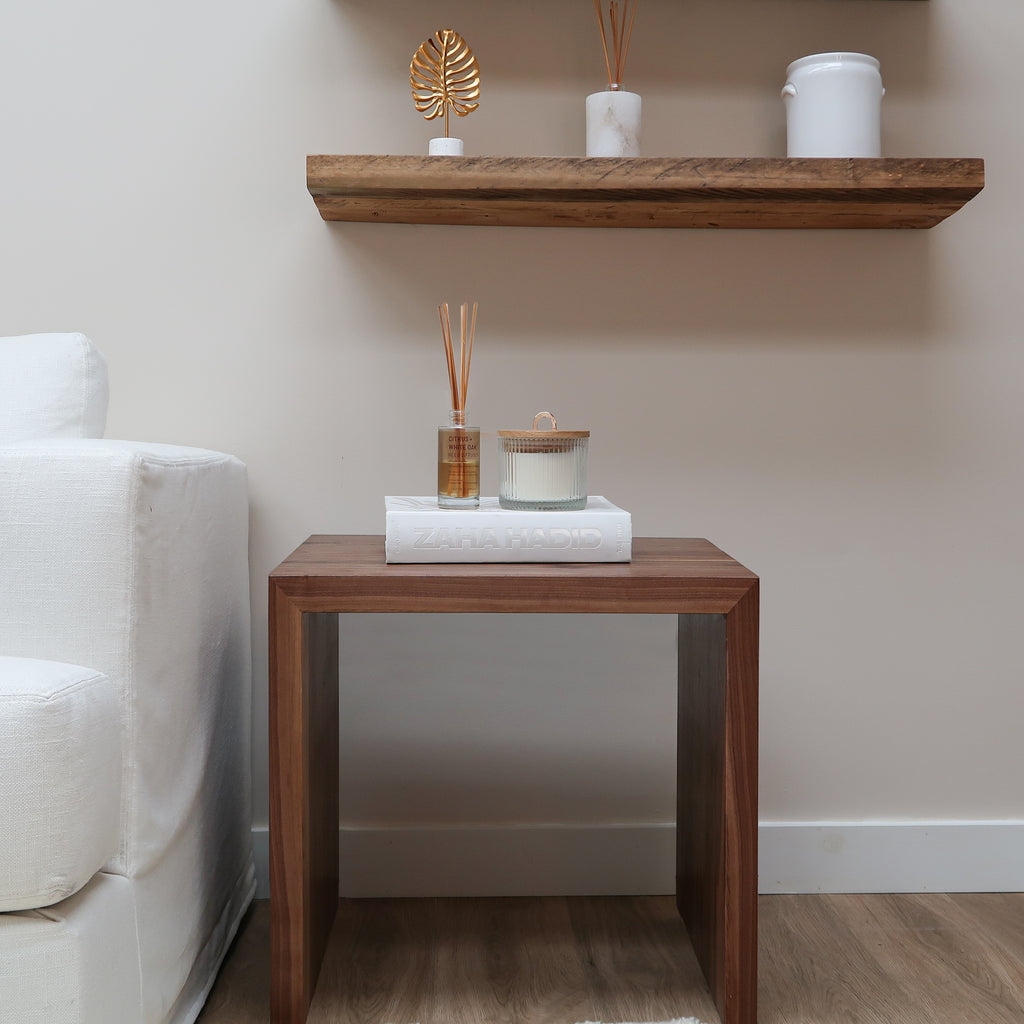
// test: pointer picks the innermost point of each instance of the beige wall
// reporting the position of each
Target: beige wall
(839, 410)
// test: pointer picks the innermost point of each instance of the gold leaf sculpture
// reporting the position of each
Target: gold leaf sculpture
(445, 76)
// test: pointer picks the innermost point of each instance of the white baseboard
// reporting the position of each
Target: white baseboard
(639, 859)
(500, 860)
(510, 860)
(907, 856)
(261, 854)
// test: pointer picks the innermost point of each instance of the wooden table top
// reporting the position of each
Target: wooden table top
(666, 575)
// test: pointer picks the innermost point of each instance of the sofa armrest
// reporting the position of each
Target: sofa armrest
(132, 559)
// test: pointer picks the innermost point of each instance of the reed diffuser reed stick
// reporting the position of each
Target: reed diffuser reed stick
(619, 13)
(458, 374)
(458, 465)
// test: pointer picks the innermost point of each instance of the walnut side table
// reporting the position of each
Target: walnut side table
(716, 601)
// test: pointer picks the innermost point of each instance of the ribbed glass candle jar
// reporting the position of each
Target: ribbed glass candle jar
(543, 470)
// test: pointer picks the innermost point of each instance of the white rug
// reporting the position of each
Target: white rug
(678, 1020)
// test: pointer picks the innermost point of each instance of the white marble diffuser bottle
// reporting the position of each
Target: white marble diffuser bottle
(614, 115)
(613, 123)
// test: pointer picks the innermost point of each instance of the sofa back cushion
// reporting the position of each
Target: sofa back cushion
(51, 385)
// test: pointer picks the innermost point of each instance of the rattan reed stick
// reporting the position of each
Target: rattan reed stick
(458, 371)
(621, 33)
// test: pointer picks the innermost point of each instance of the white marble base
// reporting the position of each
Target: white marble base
(613, 123)
(445, 147)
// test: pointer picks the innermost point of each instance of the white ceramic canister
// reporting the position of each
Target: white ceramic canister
(833, 105)
(613, 123)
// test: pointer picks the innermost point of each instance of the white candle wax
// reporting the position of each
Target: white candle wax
(542, 476)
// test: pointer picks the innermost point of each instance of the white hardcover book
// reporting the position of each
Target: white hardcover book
(417, 530)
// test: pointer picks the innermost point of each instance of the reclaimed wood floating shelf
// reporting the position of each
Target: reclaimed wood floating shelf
(653, 192)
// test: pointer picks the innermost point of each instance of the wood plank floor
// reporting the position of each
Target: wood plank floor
(874, 959)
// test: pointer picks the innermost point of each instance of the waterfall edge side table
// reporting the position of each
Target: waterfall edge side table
(716, 601)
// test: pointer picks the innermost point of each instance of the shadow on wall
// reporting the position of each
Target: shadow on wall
(491, 751)
(595, 286)
(705, 44)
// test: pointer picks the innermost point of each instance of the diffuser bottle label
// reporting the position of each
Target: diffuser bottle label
(459, 445)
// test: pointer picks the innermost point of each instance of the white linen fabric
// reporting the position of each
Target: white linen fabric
(51, 385)
(131, 559)
(73, 963)
(125, 557)
(61, 752)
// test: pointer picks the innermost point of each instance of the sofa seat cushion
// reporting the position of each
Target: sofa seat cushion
(51, 385)
(60, 779)
(74, 962)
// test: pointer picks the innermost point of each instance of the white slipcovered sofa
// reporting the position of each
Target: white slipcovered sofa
(125, 843)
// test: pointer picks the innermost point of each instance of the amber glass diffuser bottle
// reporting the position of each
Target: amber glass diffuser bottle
(458, 463)
(458, 445)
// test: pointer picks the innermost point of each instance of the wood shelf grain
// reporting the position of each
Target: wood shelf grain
(657, 192)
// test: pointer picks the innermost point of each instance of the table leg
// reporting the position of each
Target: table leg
(716, 831)
(303, 801)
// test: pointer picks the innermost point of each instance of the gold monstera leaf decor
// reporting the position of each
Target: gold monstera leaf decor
(445, 76)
